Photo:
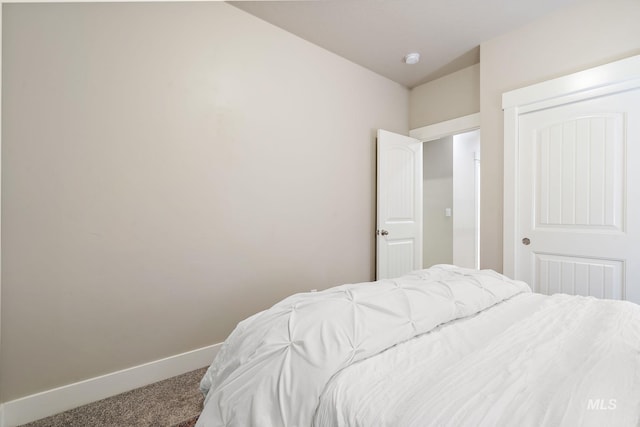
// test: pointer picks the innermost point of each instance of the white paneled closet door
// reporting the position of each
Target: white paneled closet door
(579, 197)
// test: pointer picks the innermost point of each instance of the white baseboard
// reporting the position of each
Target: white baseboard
(50, 402)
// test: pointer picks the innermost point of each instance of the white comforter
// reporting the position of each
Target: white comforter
(319, 358)
(565, 361)
(274, 366)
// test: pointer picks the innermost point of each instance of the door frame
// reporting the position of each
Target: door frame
(450, 127)
(603, 80)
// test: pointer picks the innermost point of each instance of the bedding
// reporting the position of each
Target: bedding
(442, 346)
(572, 362)
(369, 392)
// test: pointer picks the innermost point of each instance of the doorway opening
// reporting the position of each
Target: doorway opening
(451, 192)
(451, 200)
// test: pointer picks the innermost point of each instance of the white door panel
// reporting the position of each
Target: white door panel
(399, 205)
(579, 204)
(579, 276)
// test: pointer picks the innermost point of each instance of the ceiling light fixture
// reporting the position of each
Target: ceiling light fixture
(412, 58)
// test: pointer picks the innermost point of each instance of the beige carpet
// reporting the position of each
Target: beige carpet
(163, 404)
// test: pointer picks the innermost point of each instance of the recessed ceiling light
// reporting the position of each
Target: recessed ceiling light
(412, 58)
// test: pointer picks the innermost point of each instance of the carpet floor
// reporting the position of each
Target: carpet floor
(175, 402)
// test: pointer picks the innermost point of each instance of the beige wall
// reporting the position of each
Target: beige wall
(576, 38)
(167, 170)
(449, 97)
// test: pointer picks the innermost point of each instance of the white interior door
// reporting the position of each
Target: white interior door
(579, 198)
(399, 205)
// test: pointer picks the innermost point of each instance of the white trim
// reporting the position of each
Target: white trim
(50, 402)
(449, 127)
(599, 81)
(1, 404)
(556, 91)
(510, 191)
(589, 93)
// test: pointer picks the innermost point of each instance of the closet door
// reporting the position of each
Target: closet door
(579, 198)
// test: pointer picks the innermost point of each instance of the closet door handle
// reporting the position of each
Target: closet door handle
(383, 232)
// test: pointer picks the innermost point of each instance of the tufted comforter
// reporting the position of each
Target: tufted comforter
(531, 361)
(486, 352)
(274, 366)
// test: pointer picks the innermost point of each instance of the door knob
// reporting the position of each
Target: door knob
(383, 232)
(526, 241)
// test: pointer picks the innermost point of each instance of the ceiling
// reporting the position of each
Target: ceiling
(377, 34)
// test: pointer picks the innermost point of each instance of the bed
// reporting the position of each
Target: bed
(445, 346)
